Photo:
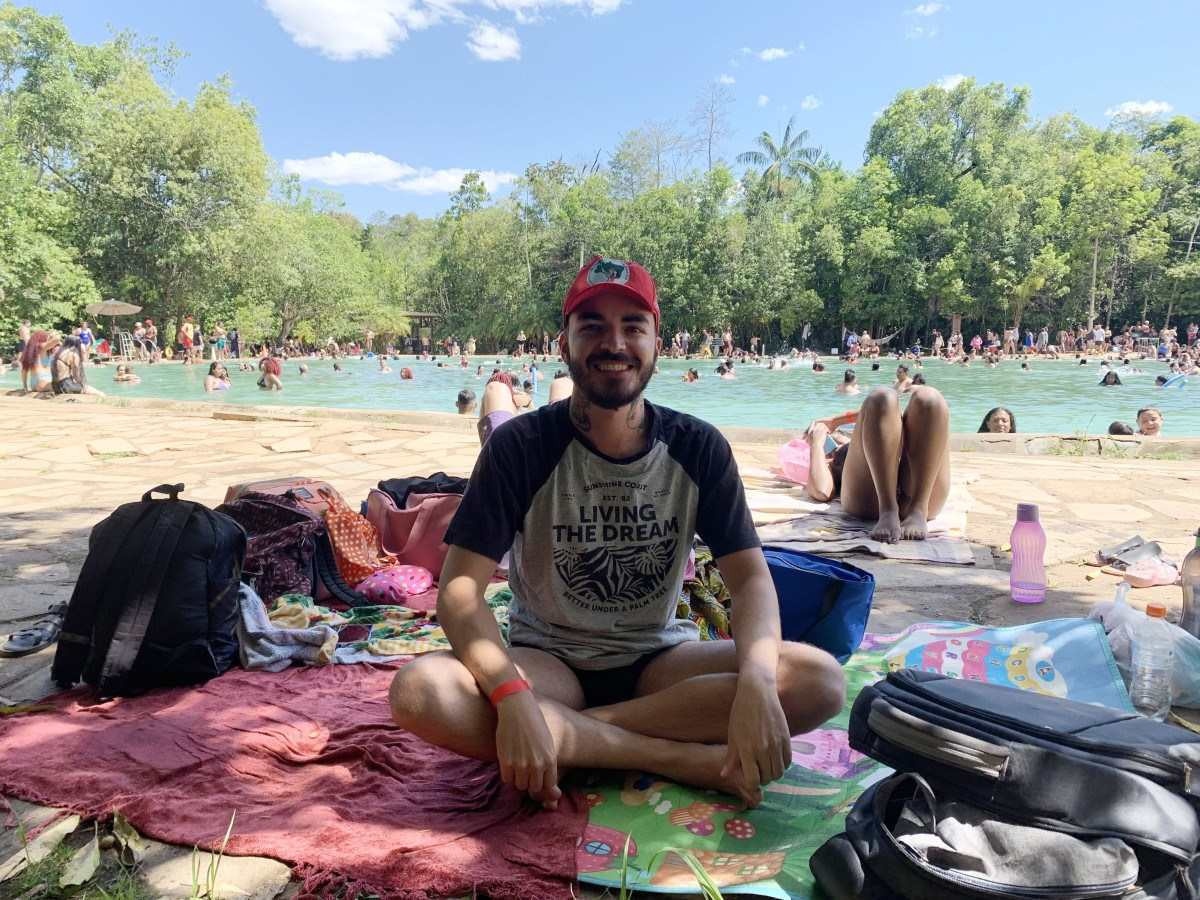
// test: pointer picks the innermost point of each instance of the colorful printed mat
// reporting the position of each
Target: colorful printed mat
(765, 851)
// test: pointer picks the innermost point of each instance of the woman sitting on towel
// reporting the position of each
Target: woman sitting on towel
(896, 466)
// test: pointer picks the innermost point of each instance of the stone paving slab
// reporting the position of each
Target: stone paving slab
(62, 491)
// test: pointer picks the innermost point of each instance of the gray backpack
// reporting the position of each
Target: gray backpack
(1006, 794)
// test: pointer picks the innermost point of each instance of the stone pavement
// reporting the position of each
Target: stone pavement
(67, 464)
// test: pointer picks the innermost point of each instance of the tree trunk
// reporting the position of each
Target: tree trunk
(1186, 257)
(1092, 294)
(286, 324)
(1112, 295)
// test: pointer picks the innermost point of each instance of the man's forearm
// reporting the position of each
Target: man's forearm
(474, 635)
(755, 616)
(755, 624)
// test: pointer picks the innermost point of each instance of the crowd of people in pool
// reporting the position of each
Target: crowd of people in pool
(53, 364)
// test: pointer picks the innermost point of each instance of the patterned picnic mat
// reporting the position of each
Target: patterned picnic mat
(765, 851)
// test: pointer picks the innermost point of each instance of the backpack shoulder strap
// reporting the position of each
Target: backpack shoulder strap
(327, 573)
(75, 639)
(134, 618)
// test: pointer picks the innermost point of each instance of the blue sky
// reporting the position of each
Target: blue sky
(407, 93)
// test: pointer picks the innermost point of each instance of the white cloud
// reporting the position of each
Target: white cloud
(950, 82)
(773, 53)
(810, 101)
(763, 99)
(746, 51)
(1139, 108)
(357, 28)
(919, 32)
(727, 79)
(493, 44)
(358, 168)
(927, 9)
(352, 29)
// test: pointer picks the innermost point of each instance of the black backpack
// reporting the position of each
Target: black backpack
(156, 603)
(1005, 793)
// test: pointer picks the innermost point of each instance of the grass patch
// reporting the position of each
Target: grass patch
(41, 880)
(1075, 445)
(43, 874)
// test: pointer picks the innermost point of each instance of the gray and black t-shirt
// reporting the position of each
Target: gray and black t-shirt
(599, 545)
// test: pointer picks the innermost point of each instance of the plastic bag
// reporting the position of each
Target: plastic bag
(1121, 621)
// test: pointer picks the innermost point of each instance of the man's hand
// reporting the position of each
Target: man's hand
(759, 740)
(525, 749)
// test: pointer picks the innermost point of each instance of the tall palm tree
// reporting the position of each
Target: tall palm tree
(788, 158)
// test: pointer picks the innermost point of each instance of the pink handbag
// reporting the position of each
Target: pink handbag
(415, 535)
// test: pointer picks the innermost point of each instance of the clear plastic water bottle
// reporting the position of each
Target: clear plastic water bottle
(1153, 656)
(1189, 577)
(1027, 578)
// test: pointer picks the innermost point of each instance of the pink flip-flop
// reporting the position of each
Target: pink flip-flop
(1150, 572)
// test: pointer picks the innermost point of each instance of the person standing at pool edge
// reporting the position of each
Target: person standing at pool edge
(595, 500)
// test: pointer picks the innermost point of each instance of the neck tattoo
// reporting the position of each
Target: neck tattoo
(579, 413)
(635, 419)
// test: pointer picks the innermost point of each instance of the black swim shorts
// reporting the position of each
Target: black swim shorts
(604, 687)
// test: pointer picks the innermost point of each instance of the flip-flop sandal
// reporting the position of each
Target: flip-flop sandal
(1106, 555)
(37, 636)
(1150, 573)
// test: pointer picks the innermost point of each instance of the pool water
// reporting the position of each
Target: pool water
(1059, 397)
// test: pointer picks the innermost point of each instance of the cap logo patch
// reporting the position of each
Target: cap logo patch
(608, 271)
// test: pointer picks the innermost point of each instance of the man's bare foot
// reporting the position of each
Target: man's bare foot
(887, 529)
(914, 527)
(710, 760)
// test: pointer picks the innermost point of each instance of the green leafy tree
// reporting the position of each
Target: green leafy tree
(307, 267)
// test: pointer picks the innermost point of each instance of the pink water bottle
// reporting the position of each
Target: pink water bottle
(1027, 579)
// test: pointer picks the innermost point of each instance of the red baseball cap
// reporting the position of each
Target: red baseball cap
(602, 274)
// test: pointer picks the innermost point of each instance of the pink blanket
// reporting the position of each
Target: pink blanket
(319, 778)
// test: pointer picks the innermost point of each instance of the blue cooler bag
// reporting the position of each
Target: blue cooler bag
(822, 601)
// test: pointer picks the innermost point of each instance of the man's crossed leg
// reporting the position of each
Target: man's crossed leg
(675, 725)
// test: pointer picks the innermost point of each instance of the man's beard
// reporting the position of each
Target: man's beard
(613, 397)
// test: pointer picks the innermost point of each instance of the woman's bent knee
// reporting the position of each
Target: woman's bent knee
(928, 398)
(881, 400)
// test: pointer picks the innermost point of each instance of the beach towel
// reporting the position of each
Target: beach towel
(273, 647)
(765, 851)
(827, 529)
(378, 633)
(318, 775)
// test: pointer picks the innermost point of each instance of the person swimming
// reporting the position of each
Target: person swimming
(1110, 379)
(217, 378)
(998, 420)
(1150, 421)
(849, 383)
(1119, 428)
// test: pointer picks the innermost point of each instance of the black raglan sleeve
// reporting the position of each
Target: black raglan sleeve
(722, 515)
(494, 505)
(512, 466)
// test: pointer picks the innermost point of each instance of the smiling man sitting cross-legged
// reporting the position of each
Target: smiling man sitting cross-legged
(598, 497)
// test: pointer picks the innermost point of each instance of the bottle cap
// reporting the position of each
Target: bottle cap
(1156, 610)
(1027, 512)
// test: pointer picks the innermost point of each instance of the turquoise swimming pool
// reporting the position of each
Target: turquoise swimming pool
(1061, 397)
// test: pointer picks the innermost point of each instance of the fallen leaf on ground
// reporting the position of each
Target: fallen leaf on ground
(39, 848)
(83, 864)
